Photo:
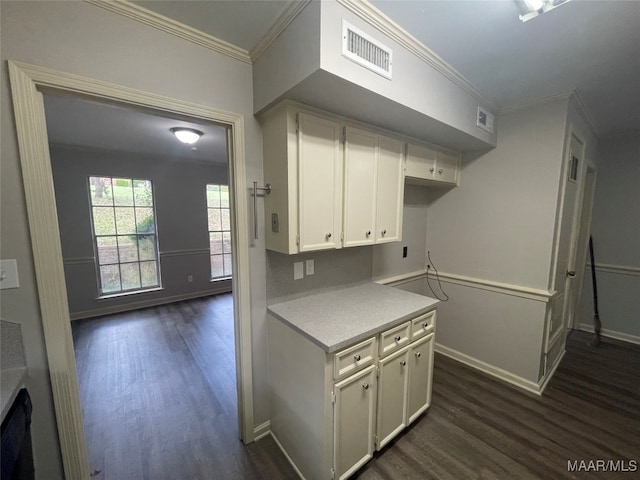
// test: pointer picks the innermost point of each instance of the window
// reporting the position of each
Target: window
(124, 230)
(219, 230)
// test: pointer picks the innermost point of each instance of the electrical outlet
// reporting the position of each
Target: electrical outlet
(310, 267)
(190, 278)
(298, 270)
(9, 274)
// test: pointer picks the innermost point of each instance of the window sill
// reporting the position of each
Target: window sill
(126, 294)
(219, 279)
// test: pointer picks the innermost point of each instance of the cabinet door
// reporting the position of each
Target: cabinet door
(420, 162)
(319, 183)
(360, 153)
(390, 190)
(353, 422)
(392, 396)
(446, 167)
(421, 373)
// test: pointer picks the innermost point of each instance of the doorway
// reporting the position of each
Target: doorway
(27, 84)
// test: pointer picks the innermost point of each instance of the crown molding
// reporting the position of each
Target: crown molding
(288, 15)
(143, 15)
(391, 29)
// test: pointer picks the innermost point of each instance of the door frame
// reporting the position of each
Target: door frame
(27, 81)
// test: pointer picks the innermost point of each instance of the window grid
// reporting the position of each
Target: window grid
(123, 265)
(219, 226)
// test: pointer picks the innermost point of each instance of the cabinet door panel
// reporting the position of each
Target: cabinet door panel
(446, 167)
(353, 427)
(390, 190)
(392, 396)
(320, 183)
(421, 371)
(420, 162)
(359, 182)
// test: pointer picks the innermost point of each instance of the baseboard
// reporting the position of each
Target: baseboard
(545, 381)
(284, 452)
(261, 430)
(151, 302)
(489, 369)
(625, 337)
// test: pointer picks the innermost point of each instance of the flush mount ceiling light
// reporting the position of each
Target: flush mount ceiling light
(187, 135)
(532, 8)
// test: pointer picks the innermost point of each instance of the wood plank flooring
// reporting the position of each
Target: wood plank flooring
(159, 400)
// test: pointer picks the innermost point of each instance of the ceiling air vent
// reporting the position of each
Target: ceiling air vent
(359, 47)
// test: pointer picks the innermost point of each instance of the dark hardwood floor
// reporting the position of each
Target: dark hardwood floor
(159, 400)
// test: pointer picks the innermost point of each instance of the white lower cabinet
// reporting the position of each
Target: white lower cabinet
(331, 411)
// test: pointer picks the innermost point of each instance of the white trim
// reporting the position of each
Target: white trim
(152, 302)
(167, 25)
(547, 378)
(402, 279)
(617, 269)
(497, 287)
(370, 14)
(284, 452)
(288, 15)
(262, 430)
(489, 369)
(625, 337)
(26, 80)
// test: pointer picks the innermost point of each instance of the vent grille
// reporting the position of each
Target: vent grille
(364, 50)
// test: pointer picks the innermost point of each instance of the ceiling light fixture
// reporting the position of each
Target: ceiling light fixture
(187, 135)
(532, 8)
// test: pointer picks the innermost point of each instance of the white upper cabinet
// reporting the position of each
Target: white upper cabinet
(373, 188)
(426, 166)
(326, 192)
(320, 183)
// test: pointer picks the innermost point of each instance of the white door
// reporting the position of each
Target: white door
(320, 183)
(565, 267)
(392, 396)
(420, 376)
(390, 190)
(353, 422)
(360, 154)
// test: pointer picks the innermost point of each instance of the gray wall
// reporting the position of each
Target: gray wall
(616, 235)
(181, 217)
(80, 38)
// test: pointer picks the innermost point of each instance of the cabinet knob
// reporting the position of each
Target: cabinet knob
(356, 357)
(431, 169)
(403, 362)
(365, 385)
(440, 171)
(418, 354)
(424, 324)
(397, 338)
(328, 235)
(368, 233)
(384, 232)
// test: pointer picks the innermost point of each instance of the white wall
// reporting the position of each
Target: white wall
(80, 38)
(616, 235)
(179, 187)
(498, 226)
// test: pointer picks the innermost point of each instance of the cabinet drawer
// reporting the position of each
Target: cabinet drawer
(423, 325)
(395, 338)
(354, 358)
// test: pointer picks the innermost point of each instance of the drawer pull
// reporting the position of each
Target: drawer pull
(368, 233)
(425, 324)
(384, 232)
(418, 354)
(403, 362)
(356, 357)
(328, 236)
(397, 338)
(365, 385)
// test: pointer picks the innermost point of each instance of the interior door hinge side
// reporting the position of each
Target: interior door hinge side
(298, 239)
(297, 122)
(344, 135)
(333, 398)
(333, 474)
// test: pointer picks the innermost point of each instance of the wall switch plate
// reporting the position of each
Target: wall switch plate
(310, 267)
(298, 270)
(9, 274)
(275, 223)
(189, 278)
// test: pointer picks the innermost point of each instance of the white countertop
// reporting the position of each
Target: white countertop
(11, 381)
(336, 319)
